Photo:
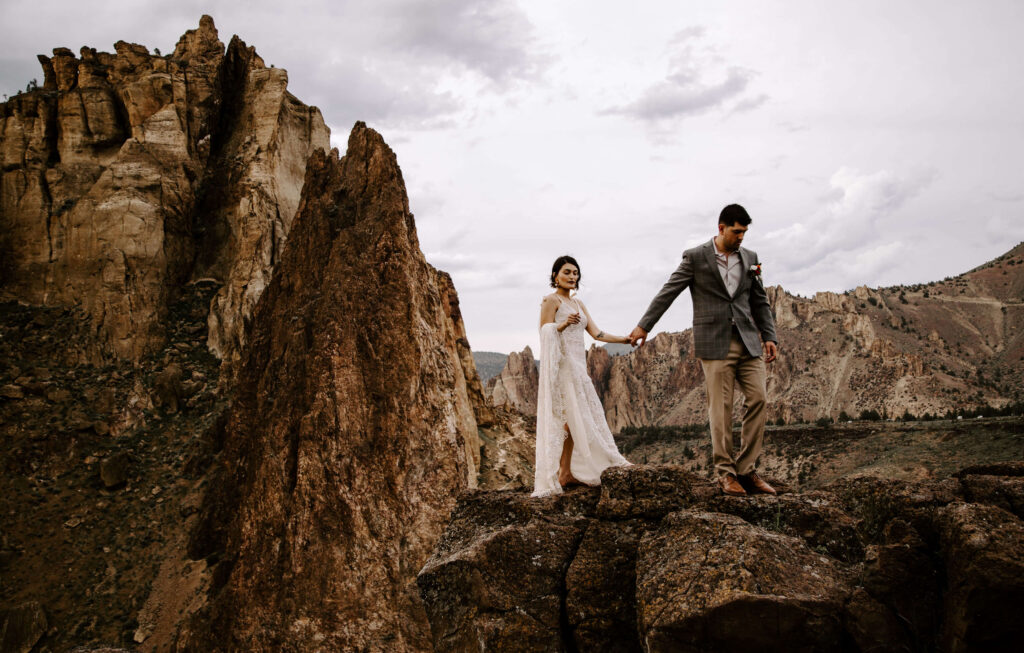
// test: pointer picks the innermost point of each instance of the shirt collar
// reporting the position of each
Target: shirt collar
(718, 253)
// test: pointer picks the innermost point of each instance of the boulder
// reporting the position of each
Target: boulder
(692, 570)
(496, 582)
(115, 469)
(734, 586)
(901, 578)
(168, 390)
(813, 517)
(600, 586)
(983, 549)
(1006, 492)
(876, 502)
(650, 491)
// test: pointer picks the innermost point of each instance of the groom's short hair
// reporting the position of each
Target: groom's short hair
(732, 214)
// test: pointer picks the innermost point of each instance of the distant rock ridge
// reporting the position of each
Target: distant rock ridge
(925, 349)
(658, 560)
(353, 429)
(127, 175)
(516, 386)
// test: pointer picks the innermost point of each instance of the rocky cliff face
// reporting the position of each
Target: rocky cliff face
(351, 433)
(658, 383)
(128, 174)
(515, 387)
(924, 349)
(658, 560)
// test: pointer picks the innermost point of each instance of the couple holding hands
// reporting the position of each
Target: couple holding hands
(733, 336)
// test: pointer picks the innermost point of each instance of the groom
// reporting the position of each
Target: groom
(731, 317)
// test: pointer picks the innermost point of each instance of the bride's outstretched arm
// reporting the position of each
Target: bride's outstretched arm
(598, 334)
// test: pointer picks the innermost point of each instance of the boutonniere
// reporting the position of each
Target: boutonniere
(755, 274)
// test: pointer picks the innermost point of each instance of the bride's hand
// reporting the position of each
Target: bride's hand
(572, 319)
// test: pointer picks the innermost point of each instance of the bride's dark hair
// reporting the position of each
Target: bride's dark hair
(559, 262)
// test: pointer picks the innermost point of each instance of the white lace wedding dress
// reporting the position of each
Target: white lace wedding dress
(566, 395)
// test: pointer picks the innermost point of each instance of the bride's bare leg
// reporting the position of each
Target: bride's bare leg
(565, 476)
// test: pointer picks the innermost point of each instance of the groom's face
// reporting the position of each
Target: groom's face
(732, 236)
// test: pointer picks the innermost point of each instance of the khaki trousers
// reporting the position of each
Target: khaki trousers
(721, 376)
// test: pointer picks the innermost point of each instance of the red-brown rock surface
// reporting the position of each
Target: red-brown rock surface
(351, 432)
(128, 174)
(658, 560)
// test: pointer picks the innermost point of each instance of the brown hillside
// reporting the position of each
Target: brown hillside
(933, 348)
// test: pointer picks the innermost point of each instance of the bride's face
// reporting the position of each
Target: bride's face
(567, 277)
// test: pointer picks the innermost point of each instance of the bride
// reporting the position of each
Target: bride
(574, 444)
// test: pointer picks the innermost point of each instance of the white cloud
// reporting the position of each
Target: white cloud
(695, 83)
(855, 236)
(895, 159)
(749, 104)
(1003, 231)
(392, 63)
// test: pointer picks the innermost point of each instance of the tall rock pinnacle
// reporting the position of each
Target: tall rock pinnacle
(351, 433)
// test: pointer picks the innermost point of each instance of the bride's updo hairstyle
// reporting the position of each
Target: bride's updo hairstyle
(559, 262)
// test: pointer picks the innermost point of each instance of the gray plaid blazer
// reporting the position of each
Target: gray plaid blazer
(715, 312)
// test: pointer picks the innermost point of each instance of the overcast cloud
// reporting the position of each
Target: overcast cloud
(873, 142)
(687, 89)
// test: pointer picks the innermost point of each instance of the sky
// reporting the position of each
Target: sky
(873, 142)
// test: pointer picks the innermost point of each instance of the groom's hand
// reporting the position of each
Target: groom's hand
(771, 351)
(638, 337)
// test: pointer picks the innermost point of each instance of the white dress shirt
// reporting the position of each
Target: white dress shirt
(730, 267)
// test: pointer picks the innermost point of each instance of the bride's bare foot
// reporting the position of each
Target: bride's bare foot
(568, 480)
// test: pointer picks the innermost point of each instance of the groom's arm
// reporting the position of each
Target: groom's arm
(761, 310)
(677, 283)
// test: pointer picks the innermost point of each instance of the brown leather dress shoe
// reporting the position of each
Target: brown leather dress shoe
(731, 486)
(758, 483)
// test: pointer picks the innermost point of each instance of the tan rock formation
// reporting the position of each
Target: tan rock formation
(639, 386)
(249, 221)
(599, 367)
(348, 439)
(105, 170)
(516, 387)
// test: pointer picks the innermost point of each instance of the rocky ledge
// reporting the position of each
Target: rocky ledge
(657, 560)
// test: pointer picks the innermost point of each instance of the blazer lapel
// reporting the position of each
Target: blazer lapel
(709, 255)
(744, 266)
